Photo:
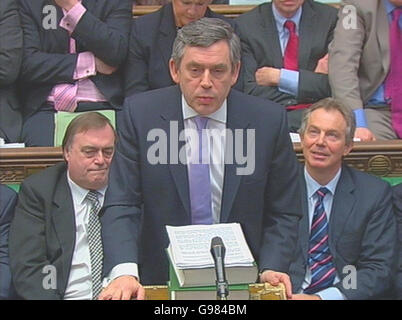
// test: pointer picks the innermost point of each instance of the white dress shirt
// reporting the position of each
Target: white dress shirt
(330, 293)
(216, 133)
(79, 285)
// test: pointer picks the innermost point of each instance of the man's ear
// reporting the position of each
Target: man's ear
(174, 71)
(348, 148)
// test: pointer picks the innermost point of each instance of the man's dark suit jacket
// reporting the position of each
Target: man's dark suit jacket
(151, 43)
(362, 233)
(10, 62)
(42, 234)
(103, 30)
(397, 199)
(143, 198)
(8, 200)
(261, 48)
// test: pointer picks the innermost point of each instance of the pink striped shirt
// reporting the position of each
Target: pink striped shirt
(85, 68)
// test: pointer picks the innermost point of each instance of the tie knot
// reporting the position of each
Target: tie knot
(322, 192)
(92, 196)
(291, 26)
(201, 122)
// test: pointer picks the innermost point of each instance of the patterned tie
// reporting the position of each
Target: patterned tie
(320, 258)
(291, 55)
(393, 87)
(65, 94)
(95, 243)
(199, 180)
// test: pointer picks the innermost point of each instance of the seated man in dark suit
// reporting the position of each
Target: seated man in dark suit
(72, 51)
(261, 193)
(285, 46)
(55, 238)
(397, 198)
(10, 62)
(347, 236)
(8, 199)
(151, 43)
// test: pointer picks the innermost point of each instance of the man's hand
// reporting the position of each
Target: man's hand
(305, 297)
(364, 134)
(274, 278)
(267, 76)
(322, 65)
(123, 288)
(102, 67)
(66, 4)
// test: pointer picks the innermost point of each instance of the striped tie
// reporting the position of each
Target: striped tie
(320, 258)
(95, 243)
(65, 93)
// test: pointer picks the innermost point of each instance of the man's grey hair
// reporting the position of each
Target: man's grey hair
(330, 104)
(204, 33)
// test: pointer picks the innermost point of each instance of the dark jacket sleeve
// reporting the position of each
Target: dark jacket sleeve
(397, 199)
(107, 40)
(10, 43)
(27, 243)
(8, 200)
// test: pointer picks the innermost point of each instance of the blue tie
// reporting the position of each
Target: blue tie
(320, 258)
(199, 180)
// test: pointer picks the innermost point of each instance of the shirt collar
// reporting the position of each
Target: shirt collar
(312, 185)
(219, 115)
(389, 7)
(280, 20)
(79, 193)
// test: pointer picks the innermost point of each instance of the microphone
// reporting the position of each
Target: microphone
(218, 253)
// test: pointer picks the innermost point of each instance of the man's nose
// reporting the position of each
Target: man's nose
(99, 157)
(206, 79)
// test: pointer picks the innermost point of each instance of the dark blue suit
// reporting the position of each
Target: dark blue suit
(362, 233)
(397, 197)
(143, 198)
(8, 200)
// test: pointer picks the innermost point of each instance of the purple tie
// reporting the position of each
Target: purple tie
(199, 181)
(393, 87)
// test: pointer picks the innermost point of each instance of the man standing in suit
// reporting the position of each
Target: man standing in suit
(55, 238)
(174, 186)
(8, 199)
(72, 51)
(347, 236)
(285, 45)
(10, 62)
(365, 66)
(151, 43)
(397, 199)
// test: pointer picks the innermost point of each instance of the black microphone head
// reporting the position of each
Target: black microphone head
(217, 241)
(217, 247)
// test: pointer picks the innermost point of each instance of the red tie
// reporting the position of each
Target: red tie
(393, 88)
(291, 56)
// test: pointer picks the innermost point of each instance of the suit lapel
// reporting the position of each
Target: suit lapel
(178, 171)
(306, 32)
(167, 34)
(270, 32)
(231, 181)
(342, 206)
(383, 36)
(64, 222)
(304, 228)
